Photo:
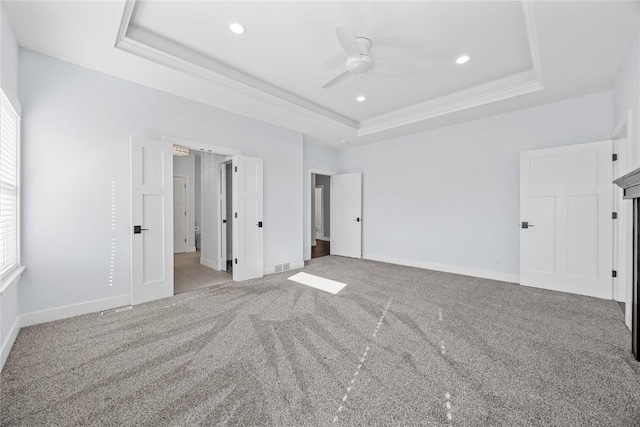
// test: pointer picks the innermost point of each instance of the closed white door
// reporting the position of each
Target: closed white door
(248, 251)
(179, 214)
(566, 234)
(346, 215)
(152, 216)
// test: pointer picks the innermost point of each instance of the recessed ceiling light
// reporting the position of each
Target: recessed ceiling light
(237, 28)
(463, 59)
(344, 141)
(361, 98)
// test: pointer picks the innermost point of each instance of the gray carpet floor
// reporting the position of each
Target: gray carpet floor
(397, 346)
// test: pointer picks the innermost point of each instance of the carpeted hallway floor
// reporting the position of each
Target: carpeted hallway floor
(398, 346)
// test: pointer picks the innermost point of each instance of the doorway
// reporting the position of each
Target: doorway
(320, 215)
(152, 245)
(189, 270)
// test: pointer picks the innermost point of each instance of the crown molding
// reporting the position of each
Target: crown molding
(497, 90)
(153, 47)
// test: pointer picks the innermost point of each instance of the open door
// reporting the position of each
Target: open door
(248, 251)
(152, 218)
(346, 215)
(222, 202)
(566, 233)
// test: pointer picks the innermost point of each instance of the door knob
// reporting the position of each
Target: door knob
(137, 229)
(357, 219)
(525, 224)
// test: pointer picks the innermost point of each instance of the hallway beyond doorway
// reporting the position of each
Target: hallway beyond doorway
(189, 274)
(322, 248)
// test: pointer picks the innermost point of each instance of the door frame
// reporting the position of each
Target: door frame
(222, 208)
(307, 231)
(192, 145)
(186, 207)
(623, 243)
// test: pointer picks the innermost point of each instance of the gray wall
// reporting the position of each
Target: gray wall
(76, 129)
(325, 181)
(450, 197)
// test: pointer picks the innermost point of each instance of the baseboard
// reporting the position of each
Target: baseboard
(324, 239)
(485, 274)
(293, 265)
(8, 343)
(37, 317)
(209, 263)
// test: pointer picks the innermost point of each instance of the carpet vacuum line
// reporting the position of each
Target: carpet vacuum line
(362, 360)
(447, 395)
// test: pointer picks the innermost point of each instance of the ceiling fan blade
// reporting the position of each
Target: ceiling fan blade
(334, 61)
(348, 42)
(336, 79)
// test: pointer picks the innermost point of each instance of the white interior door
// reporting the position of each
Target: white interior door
(179, 214)
(566, 235)
(152, 217)
(248, 251)
(346, 215)
(222, 202)
(319, 210)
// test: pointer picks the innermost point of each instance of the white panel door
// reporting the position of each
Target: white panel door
(152, 217)
(179, 214)
(566, 234)
(222, 205)
(248, 251)
(346, 215)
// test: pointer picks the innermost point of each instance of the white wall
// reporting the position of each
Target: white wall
(626, 96)
(186, 166)
(76, 129)
(449, 198)
(8, 56)
(9, 297)
(319, 158)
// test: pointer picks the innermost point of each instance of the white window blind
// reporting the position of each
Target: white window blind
(9, 145)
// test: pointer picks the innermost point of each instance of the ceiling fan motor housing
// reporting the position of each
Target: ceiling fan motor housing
(361, 64)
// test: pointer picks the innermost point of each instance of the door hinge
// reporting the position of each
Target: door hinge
(614, 157)
(185, 240)
(614, 215)
(185, 212)
(614, 273)
(235, 169)
(236, 214)
(236, 260)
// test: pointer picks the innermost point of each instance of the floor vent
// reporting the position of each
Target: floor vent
(284, 266)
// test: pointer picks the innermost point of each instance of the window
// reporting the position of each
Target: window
(9, 186)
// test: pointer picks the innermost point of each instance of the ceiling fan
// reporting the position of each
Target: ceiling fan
(359, 60)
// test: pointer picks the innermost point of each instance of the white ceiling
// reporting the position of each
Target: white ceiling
(522, 54)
